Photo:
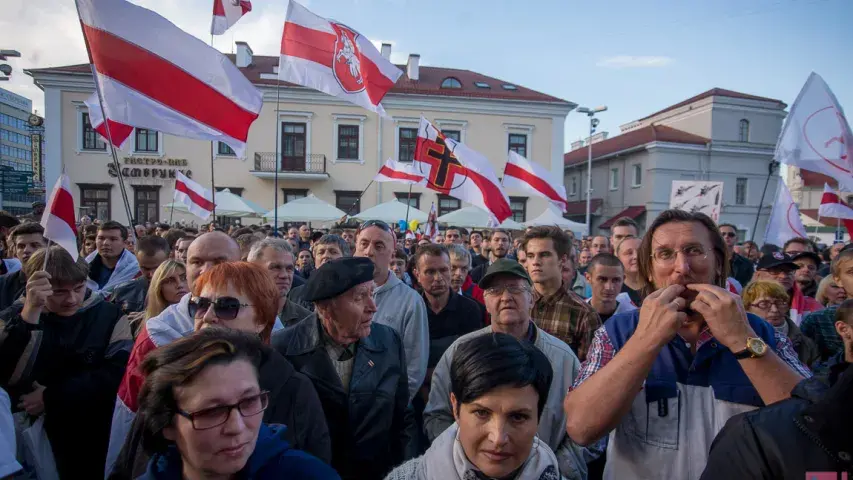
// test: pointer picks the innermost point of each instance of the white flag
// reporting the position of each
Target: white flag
(816, 135)
(58, 218)
(785, 222)
(394, 171)
(522, 174)
(832, 206)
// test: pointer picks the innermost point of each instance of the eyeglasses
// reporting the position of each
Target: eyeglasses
(374, 223)
(216, 416)
(499, 290)
(667, 256)
(225, 308)
(781, 305)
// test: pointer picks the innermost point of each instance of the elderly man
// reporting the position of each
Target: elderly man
(740, 268)
(304, 237)
(24, 240)
(398, 306)
(111, 265)
(130, 296)
(509, 298)
(328, 247)
(275, 255)
(662, 380)
(779, 267)
(357, 366)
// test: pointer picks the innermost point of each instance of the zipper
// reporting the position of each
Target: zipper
(816, 440)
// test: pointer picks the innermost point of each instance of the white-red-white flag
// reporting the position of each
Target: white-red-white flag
(58, 220)
(226, 13)
(431, 226)
(785, 222)
(816, 135)
(154, 75)
(522, 174)
(451, 168)
(333, 58)
(197, 198)
(832, 206)
(119, 131)
(394, 171)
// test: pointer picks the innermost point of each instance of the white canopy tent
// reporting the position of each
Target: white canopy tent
(551, 218)
(227, 205)
(392, 212)
(306, 209)
(475, 217)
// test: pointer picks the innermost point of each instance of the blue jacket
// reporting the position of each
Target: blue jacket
(272, 459)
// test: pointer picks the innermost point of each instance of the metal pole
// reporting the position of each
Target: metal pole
(408, 206)
(589, 180)
(277, 160)
(212, 181)
(770, 167)
(359, 197)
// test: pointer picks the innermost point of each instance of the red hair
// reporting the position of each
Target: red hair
(250, 280)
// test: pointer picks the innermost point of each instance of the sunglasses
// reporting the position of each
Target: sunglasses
(225, 308)
(374, 223)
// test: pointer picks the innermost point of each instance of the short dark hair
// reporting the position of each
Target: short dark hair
(489, 361)
(605, 260)
(626, 222)
(7, 220)
(433, 250)
(845, 312)
(90, 236)
(177, 364)
(727, 225)
(400, 254)
(151, 244)
(63, 269)
(463, 230)
(453, 228)
(240, 231)
(173, 235)
(330, 239)
(26, 229)
(562, 242)
(113, 225)
(500, 230)
(800, 240)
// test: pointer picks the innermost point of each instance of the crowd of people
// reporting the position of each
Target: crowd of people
(360, 352)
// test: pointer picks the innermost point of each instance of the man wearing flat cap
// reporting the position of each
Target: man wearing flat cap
(508, 292)
(358, 368)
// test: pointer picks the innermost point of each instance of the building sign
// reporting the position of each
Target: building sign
(36, 156)
(16, 101)
(159, 170)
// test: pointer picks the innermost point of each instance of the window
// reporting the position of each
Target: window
(451, 82)
(291, 194)
(740, 191)
(482, 85)
(146, 140)
(454, 134)
(518, 143)
(573, 186)
(518, 205)
(407, 141)
(224, 149)
(293, 142)
(637, 179)
(507, 86)
(348, 201)
(743, 134)
(414, 201)
(91, 139)
(447, 204)
(614, 178)
(348, 142)
(147, 202)
(95, 201)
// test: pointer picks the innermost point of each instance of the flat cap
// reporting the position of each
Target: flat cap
(503, 266)
(337, 276)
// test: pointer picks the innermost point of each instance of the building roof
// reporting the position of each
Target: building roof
(633, 139)
(631, 212)
(574, 209)
(816, 180)
(428, 83)
(715, 92)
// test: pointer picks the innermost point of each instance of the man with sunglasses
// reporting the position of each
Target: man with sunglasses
(398, 306)
(739, 266)
(357, 367)
(275, 255)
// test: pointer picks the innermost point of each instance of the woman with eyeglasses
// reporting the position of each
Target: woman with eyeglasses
(242, 296)
(168, 286)
(769, 301)
(203, 404)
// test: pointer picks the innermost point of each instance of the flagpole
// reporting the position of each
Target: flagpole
(112, 146)
(46, 255)
(770, 167)
(359, 198)
(212, 178)
(408, 205)
(276, 160)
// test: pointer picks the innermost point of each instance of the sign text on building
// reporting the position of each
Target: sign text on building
(167, 172)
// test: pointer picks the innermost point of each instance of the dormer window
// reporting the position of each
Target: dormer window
(451, 82)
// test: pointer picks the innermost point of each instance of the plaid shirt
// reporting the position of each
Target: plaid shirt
(820, 327)
(602, 351)
(568, 317)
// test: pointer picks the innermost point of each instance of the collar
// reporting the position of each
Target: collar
(392, 282)
(327, 341)
(553, 298)
(370, 342)
(451, 305)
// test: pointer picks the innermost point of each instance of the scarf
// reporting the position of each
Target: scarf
(127, 268)
(540, 465)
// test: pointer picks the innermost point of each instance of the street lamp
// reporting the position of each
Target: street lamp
(593, 122)
(5, 69)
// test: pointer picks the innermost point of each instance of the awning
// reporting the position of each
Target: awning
(579, 208)
(630, 212)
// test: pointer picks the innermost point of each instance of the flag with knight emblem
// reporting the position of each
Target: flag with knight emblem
(451, 168)
(333, 58)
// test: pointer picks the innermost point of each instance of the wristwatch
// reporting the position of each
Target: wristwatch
(755, 348)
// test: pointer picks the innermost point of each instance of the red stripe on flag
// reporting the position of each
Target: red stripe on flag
(218, 9)
(62, 207)
(119, 132)
(195, 197)
(166, 83)
(848, 224)
(492, 196)
(376, 84)
(391, 173)
(830, 197)
(312, 45)
(542, 186)
(245, 6)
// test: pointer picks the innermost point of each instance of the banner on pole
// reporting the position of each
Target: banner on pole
(697, 197)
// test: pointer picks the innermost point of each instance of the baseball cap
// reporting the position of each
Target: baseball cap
(776, 260)
(503, 266)
(815, 257)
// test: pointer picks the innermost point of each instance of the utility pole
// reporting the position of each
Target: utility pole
(593, 122)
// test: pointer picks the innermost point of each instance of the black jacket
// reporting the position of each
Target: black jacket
(293, 402)
(479, 272)
(297, 296)
(368, 424)
(130, 296)
(742, 269)
(80, 360)
(12, 286)
(810, 432)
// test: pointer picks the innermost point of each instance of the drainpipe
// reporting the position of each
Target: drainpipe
(379, 160)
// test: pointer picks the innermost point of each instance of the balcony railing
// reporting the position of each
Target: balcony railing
(313, 163)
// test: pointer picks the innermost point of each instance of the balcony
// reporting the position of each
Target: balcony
(308, 167)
